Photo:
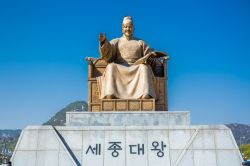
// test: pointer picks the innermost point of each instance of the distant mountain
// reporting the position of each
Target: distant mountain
(5, 134)
(241, 133)
(8, 139)
(59, 118)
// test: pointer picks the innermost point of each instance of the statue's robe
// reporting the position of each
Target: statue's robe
(127, 76)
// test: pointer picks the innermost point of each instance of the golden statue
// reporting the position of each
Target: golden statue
(128, 74)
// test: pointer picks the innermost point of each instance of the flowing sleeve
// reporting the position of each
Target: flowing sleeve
(108, 50)
(155, 63)
(146, 49)
(146, 52)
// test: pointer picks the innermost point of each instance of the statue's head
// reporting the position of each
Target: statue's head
(128, 27)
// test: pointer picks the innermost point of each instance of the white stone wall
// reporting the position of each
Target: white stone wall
(127, 146)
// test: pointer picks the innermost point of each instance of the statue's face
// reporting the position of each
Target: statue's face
(128, 29)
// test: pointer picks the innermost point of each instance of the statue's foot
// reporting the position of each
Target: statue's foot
(110, 97)
(147, 96)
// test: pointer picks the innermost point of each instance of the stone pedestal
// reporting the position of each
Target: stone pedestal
(142, 118)
(127, 139)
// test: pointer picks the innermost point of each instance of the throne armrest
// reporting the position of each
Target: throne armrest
(165, 60)
(159, 65)
(96, 66)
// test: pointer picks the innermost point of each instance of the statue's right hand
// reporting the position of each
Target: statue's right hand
(102, 37)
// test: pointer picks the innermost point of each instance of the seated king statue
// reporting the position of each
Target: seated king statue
(127, 75)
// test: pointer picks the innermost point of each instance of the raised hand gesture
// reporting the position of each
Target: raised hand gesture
(102, 37)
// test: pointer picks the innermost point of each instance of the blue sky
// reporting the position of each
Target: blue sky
(43, 44)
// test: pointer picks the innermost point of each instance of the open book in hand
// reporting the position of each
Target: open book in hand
(152, 55)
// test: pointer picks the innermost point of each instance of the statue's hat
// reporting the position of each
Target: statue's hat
(127, 19)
